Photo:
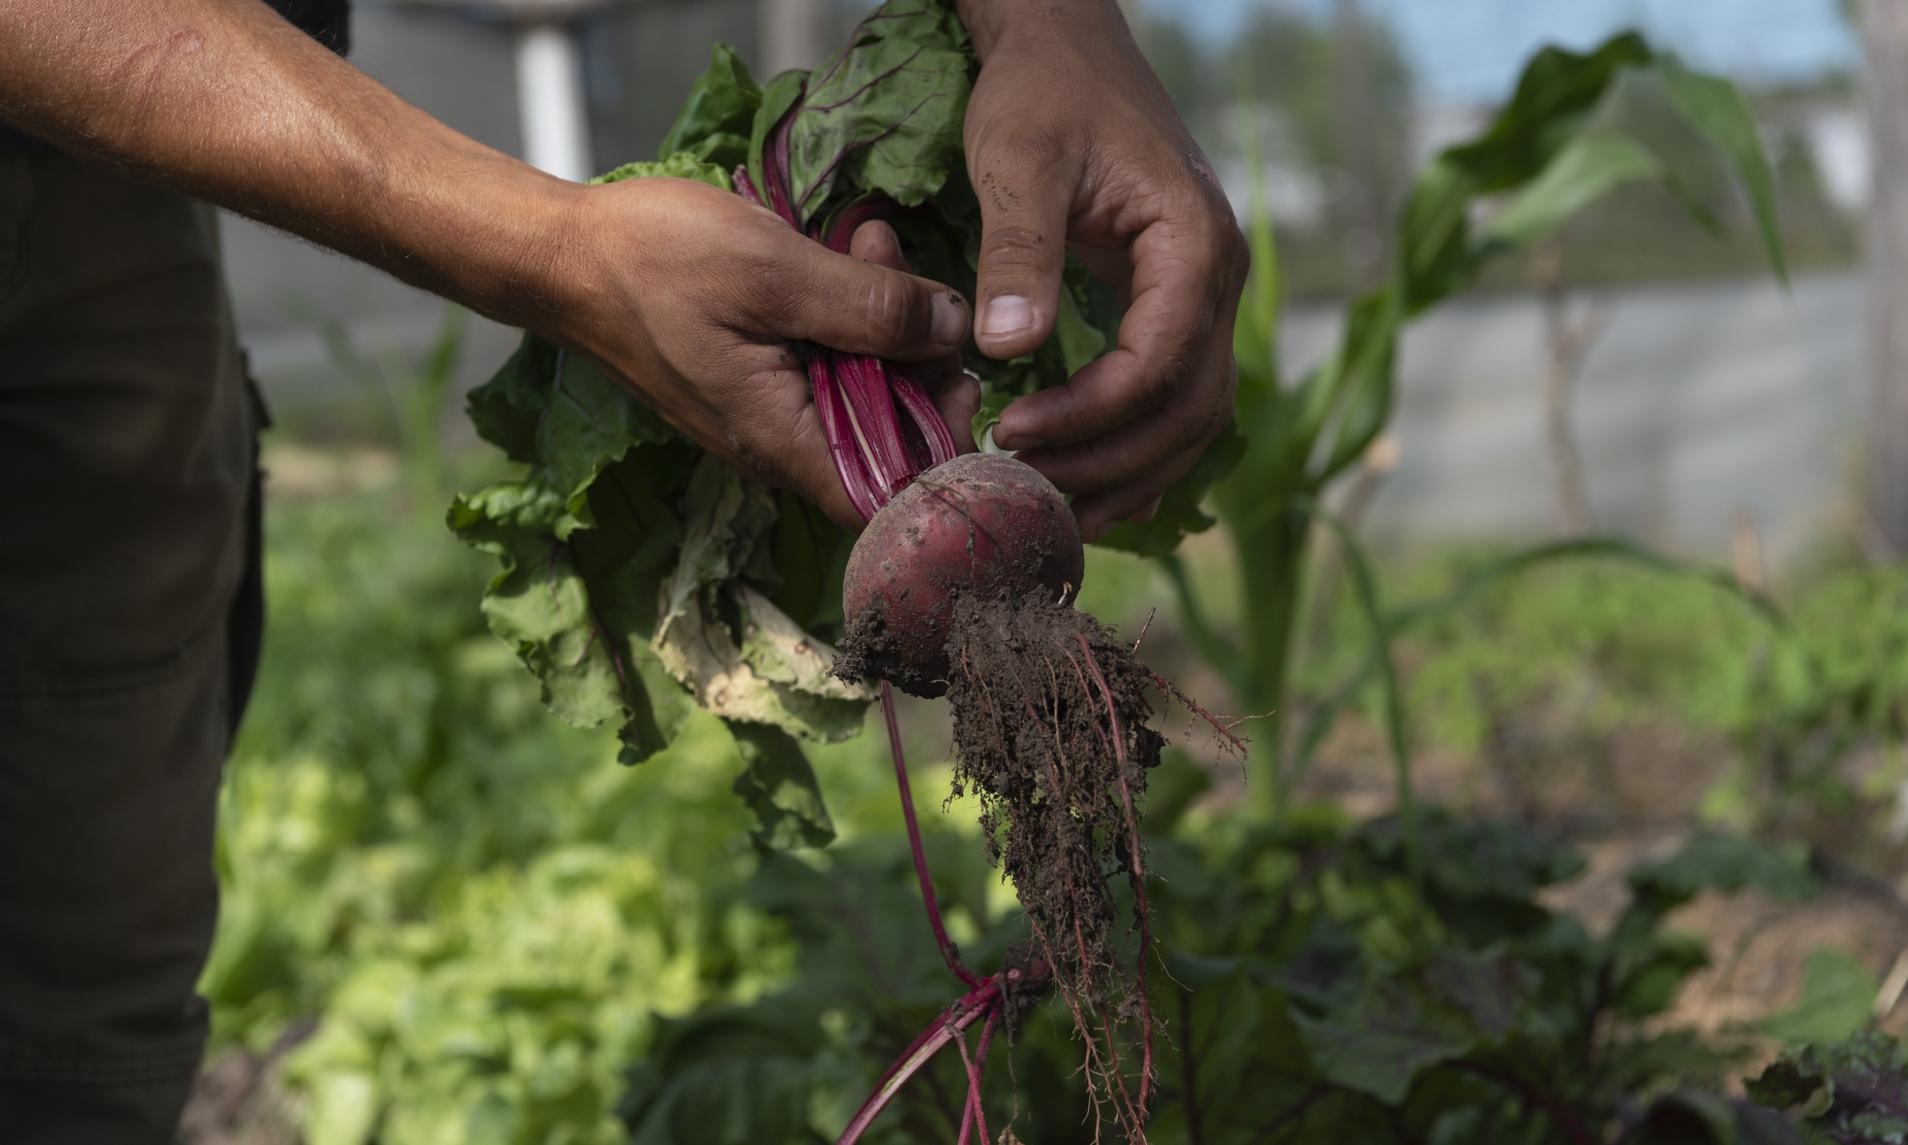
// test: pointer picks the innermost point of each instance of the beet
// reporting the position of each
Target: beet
(963, 586)
(983, 526)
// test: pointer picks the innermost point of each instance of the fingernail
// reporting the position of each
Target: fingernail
(1006, 314)
(950, 320)
(1016, 439)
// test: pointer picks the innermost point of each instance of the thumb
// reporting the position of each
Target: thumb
(1023, 251)
(864, 308)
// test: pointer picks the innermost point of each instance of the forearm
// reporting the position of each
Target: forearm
(223, 99)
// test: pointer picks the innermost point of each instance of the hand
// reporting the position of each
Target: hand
(694, 299)
(1071, 141)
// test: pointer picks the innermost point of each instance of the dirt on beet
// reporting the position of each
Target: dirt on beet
(1051, 732)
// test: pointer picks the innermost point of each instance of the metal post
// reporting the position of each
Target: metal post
(552, 104)
(550, 100)
(794, 33)
(1885, 33)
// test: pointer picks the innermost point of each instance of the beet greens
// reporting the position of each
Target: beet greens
(642, 578)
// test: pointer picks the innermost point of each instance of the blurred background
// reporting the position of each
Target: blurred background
(449, 918)
(1703, 399)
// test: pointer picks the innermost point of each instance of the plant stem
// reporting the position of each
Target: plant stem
(949, 951)
(975, 1116)
(1189, 1068)
(1271, 552)
(1561, 1116)
(1220, 654)
(975, 1004)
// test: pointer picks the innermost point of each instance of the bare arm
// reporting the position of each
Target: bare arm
(223, 99)
(689, 295)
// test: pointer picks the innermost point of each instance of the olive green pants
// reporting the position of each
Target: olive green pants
(129, 622)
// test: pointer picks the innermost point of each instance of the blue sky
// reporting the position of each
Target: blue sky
(1470, 50)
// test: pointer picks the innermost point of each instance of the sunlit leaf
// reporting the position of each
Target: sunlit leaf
(1716, 107)
(1588, 168)
(1838, 1000)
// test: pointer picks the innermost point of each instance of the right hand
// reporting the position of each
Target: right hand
(694, 299)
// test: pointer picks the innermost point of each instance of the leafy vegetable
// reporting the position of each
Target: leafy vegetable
(1852, 1092)
(638, 575)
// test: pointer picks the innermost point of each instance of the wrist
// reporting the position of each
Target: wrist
(991, 23)
(500, 242)
(531, 278)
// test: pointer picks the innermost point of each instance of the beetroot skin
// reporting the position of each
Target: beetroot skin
(981, 525)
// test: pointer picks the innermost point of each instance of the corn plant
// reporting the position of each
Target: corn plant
(1556, 147)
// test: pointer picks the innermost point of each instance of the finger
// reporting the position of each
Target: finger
(875, 241)
(958, 398)
(812, 474)
(1181, 278)
(813, 294)
(803, 463)
(766, 426)
(1132, 455)
(1025, 199)
(1110, 265)
(1101, 511)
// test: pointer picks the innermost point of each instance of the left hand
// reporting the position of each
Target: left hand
(1071, 142)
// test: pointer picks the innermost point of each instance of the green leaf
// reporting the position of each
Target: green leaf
(1715, 107)
(780, 788)
(1589, 167)
(1707, 861)
(343, 1111)
(589, 423)
(1838, 1000)
(1382, 1048)
(732, 1076)
(1256, 336)
(1397, 737)
(1476, 580)
(1712, 861)
(1452, 1004)
(1434, 249)
(778, 96)
(722, 102)
(506, 408)
(740, 656)
(1851, 1092)
(1557, 89)
(1359, 382)
(553, 409)
(1652, 980)
(675, 165)
(544, 602)
(810, 555)
(884, 115)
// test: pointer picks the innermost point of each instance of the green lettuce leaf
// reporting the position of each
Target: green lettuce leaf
(679, 165)
(720, 108)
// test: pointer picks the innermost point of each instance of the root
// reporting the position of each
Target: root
(1051, 728)
(1052, 731)
(949, 952)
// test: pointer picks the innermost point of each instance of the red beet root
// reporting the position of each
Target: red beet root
(981, 525)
